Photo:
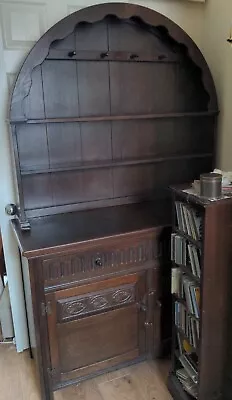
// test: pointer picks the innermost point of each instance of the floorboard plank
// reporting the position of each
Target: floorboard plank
(144, 381)
(120, 388)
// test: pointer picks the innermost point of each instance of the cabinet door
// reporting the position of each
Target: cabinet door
(96, 326)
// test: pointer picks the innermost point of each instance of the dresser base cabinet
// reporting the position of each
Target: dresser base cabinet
(94, 308)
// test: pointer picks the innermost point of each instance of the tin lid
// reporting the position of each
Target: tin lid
(211, 177)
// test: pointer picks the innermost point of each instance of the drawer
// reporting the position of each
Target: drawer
(100, 260)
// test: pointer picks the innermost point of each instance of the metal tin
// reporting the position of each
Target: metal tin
(211, 185)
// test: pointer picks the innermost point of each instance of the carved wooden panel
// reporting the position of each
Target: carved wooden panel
(81, 263)
(99, 301)
(97, 324)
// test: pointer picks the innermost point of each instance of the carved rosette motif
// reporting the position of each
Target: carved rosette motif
(84, 305)
(76, 264)
(75, 307)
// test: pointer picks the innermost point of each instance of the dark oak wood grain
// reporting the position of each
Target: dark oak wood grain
(92, 225)
(93, 83)
(89, 328)
(118, 117)
(55, 82)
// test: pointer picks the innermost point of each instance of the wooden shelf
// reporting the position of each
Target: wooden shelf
(116, 117)
(110, 55)
(110, 164)
(187, 270)
(184, 336)
(196, 243)
(182, 301)
(176, 388)
(177, 355)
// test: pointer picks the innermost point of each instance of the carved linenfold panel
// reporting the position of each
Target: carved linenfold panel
(80, 263)
(94, 302)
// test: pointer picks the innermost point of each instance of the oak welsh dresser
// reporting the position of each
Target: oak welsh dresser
(113, 104)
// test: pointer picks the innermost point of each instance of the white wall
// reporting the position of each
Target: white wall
(7, 195)
(218, 53)
(22, 23)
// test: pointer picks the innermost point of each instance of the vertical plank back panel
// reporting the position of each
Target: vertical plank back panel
(64, 143)
(60, 89)
(104, 116)
(93, 88)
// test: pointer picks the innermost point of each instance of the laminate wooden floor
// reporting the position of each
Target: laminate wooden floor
(144, 381)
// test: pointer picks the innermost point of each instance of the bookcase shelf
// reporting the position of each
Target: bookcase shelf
(211, 291)
(175, 388)
(185, 337)
(105, 164)
(196, 243)
(177, 356)
(182, 301)
(187, 270)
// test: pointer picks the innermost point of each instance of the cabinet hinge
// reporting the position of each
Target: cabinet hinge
(52, 372)
(148, 324)
(46, 309)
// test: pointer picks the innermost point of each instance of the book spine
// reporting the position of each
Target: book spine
(192, 261)
(189, 368)
(178, 215)
(196, 261)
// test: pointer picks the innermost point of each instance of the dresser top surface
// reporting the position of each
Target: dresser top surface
(63, 231)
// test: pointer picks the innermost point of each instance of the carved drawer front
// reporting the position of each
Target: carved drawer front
(99, 261)
(95, 326)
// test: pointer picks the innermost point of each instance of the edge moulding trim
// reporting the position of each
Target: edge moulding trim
(97, 13)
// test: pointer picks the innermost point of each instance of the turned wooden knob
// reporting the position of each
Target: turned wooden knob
(162, 57)
(11, 209)
(72, 53)
(98, 262)
(134, 56)
(104, 55)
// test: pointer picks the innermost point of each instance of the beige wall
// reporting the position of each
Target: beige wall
(188, 15)
(218, 53)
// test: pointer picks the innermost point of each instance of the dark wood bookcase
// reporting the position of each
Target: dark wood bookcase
(210, 352)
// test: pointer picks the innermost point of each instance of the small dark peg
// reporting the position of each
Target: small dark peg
(134, 56)
(161, 57)
(72, 53)
(104, 55)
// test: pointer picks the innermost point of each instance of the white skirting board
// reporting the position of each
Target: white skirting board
(5, 314)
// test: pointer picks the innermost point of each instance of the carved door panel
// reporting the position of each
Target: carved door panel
(96, 326)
